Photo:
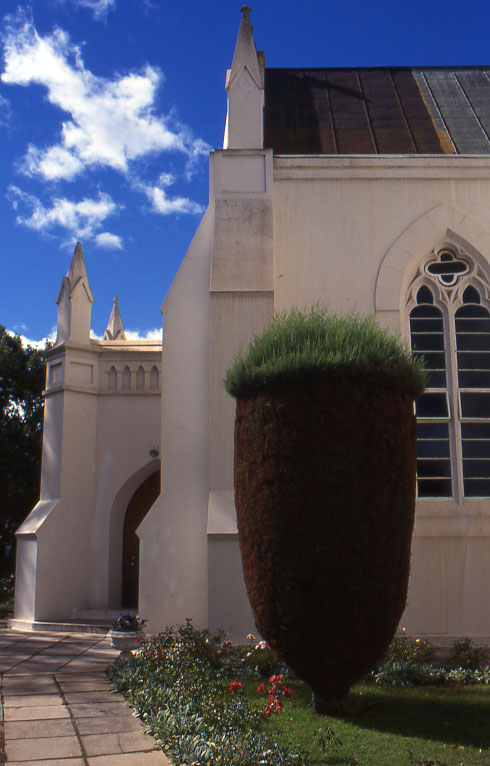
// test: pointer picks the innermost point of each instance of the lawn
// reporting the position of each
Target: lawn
(397, 726)
(198, 696)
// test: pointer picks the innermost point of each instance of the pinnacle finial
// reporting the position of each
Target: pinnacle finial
(115, 329)
(245, 9)
(77, 271)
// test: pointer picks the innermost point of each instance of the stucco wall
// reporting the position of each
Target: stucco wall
(349, 233)
(95, 442)
(173, 552)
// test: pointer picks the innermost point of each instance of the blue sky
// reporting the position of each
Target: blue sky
(108, 111)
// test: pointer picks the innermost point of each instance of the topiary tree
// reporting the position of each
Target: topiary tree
(325, 491)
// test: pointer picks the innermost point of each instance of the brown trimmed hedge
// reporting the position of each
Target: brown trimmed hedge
(325, 495)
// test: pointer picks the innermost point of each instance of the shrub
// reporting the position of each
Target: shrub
(405, 649)
(191, 707)
(317, 343)
(260, 658)
(325, 492)
(464, 655)
(403, 673)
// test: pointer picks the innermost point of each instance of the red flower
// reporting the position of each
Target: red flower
(234, 685)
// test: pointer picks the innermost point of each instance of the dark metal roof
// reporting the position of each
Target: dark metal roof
(417, 110)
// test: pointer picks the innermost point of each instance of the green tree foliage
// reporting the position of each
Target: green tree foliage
(22, 376)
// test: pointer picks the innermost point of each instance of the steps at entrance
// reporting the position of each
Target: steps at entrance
(67, 626)
(82, 621)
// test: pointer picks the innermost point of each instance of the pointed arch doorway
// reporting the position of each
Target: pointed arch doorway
(138, 507)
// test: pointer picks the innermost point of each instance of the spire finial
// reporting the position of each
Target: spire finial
(245, 52)
(115, 329)
(77, 270)
(75, 302)
(245, 89)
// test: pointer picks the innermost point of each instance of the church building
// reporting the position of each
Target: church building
(367, 190)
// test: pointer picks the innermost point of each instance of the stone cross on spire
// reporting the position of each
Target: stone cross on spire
(115, 329)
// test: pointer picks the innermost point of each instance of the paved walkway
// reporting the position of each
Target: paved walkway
(57, 707)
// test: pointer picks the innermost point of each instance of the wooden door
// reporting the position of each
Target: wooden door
(138, 507)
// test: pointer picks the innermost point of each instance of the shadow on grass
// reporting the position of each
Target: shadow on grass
(452, 715)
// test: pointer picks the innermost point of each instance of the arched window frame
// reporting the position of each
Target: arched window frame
(448, 298)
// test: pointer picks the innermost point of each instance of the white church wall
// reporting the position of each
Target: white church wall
(235, 318)
(335, 220)
(229, 608)
(63, 560)
(241, 304)
(128, 428)
(173, 547)
(60, 523)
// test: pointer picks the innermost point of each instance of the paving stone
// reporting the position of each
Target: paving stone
(39, 749)
(131, 759)
(64, 649)
(51, 762)
(84, 643)
(32, 700)
(36, 713)
(33, 646)
(113, 744)
(39, 728)
(85, 686)
(7, 667)
(64, 675)
(103, 651)
(85, 668)
(37, 680)
(109, 724)
(95, 710)
(41, 665)
(91, 696)
(19, 687)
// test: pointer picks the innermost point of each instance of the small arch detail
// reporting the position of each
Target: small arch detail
(126, 379)
(112, 381)
(154, 379)
(140, 379)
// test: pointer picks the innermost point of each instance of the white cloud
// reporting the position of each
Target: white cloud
(81, 219)
(98, 7)
(166, 179)
(40, 344)
(164, 205)
(155, 334)
(111, 122)
(109, 241)
(54, 163)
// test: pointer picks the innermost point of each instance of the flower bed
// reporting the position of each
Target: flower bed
(206, 703)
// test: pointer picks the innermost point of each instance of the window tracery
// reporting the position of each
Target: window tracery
(450, 327)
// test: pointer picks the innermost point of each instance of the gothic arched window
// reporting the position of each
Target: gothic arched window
(450, 326)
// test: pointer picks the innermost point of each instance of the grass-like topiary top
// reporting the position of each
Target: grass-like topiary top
(299, 345)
